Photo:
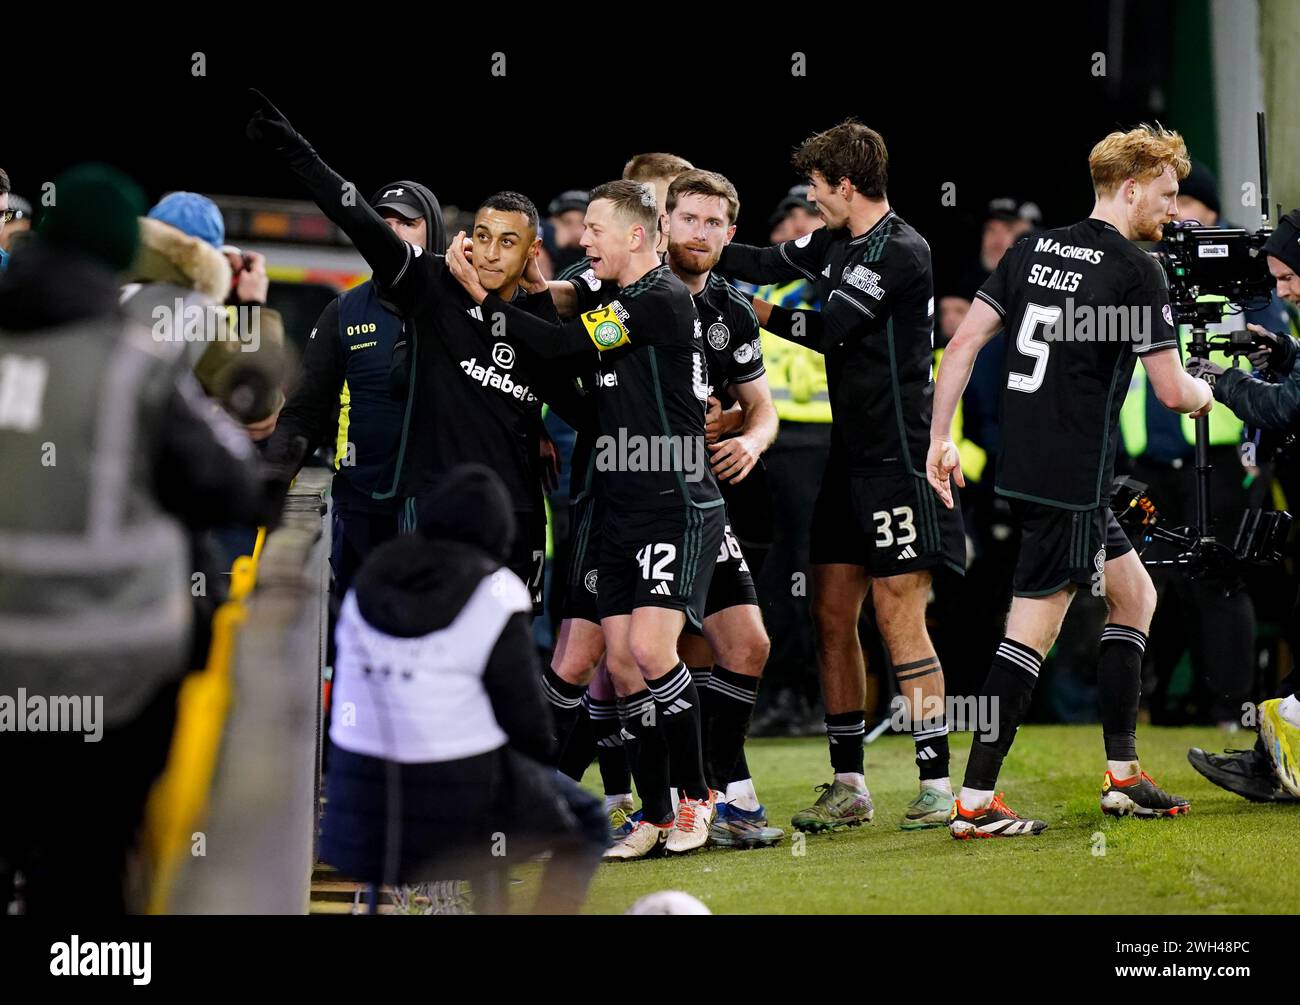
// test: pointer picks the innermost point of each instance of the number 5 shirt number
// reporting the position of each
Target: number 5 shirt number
(1038, 351)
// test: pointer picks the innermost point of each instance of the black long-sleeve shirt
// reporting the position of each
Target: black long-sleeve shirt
(1269, 406)
(477, 397)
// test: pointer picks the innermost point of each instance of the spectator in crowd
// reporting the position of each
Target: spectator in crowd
(795, 216)
(439, 766)
(1198, 197)
(1005, 222)
(181, 248)
(951, 313)
(95, 571)
(4, 217)
(564, 227)
(19, 221)
(179, 274)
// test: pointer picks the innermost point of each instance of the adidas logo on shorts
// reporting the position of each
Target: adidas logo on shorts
(662, 590)
(906, 553)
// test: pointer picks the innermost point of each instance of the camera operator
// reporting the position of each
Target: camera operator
(1269, 772)
(1211, 618)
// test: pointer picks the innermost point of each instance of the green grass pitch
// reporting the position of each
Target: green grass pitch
(1226, 856)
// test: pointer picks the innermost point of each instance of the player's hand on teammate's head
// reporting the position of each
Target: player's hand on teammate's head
(458, 264)
(941, 463)
(733, 459)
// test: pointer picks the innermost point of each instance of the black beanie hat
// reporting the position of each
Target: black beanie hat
(95, 214)
(470, 505)
(1285, 241)
(1201, 185)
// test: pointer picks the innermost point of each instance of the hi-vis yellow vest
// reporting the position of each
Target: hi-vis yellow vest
(796, 375)
(1225, 428)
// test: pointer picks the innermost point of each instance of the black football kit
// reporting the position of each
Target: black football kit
(876, 329)
(1079, 305)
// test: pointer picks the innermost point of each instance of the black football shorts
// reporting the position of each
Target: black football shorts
(658, 558)
(528, 556)
(1062, 546)
(732, 584)
(890, 522)
(579, 580)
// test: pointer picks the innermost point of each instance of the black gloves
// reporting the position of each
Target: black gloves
(268, 127)
(1198, 367)
(1276, 353)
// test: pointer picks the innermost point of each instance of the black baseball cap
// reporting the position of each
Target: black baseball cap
(401, 200)
(1009, 210)
(796, 198)
(574, 198)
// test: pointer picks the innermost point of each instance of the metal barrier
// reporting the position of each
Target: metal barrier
(258, 840)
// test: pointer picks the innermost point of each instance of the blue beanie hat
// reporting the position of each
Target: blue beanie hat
(192, 214)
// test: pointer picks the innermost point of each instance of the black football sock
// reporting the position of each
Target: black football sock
(1008, 688)
(563, 699)
(580, 750)
(741, 770)
(728, 707)
(929, 733)
(1119, 688)
(607, 732)
(647, 752)
(678, 706)
(700, 678)
(844, 733)
(931, 741)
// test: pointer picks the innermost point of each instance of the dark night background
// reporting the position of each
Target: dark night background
(1000, 102)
